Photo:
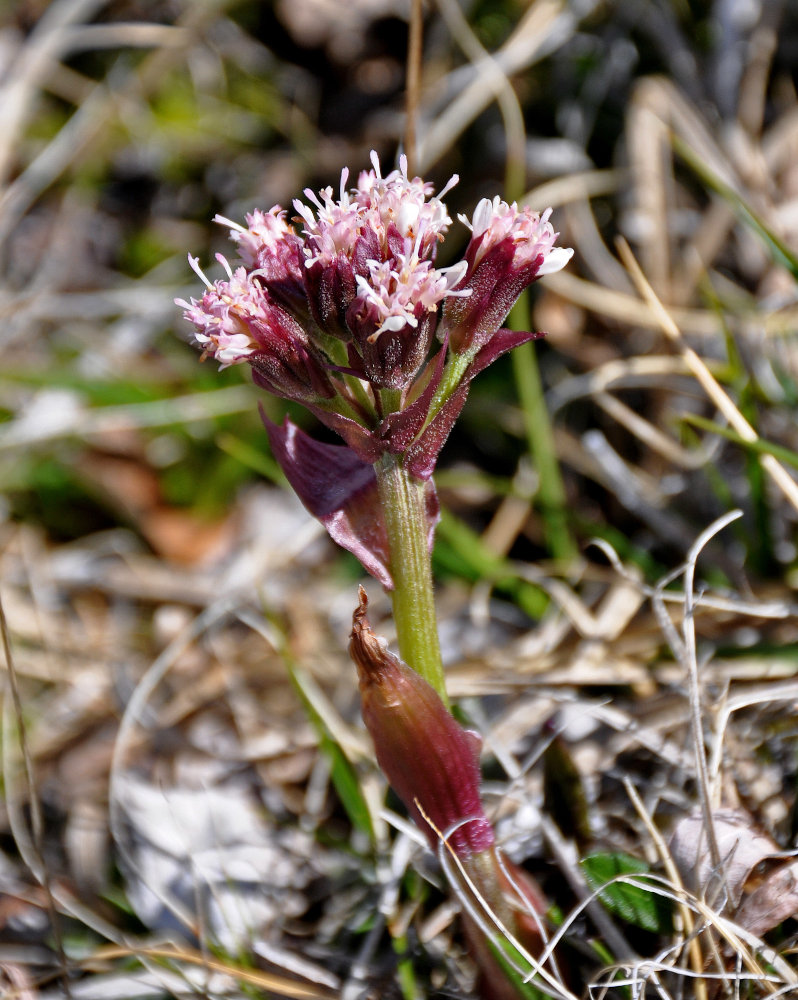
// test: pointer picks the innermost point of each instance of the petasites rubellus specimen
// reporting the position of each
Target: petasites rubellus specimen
(342, 309)
(430, 761)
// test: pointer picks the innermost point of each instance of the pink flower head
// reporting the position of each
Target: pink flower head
(394, 315)
(509, 249)
(270, 246)
(265, 232)
(223, 318)
(531, 234)
(237, 321)
(382, 221)
(398, 292)
(402, 210)
(340, 313)
(431, 762)
(333, 228)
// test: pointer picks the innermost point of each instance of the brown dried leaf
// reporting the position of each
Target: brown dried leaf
(771, 900)
(762, 886)
(741, 846)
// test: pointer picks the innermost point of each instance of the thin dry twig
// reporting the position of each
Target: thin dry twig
(415, 55)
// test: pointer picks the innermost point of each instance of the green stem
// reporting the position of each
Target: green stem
(343, 406)
(540, 438)
(403, 503)
(391, 400)
(359, 393)
(452, 375)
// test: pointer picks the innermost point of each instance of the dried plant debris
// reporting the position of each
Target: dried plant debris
(746, 874)
(198, 857)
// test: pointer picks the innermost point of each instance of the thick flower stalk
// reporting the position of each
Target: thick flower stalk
(343, 309)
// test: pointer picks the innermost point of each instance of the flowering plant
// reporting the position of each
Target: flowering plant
(350, 317)
(344, 317)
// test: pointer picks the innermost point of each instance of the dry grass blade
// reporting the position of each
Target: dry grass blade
(56, 38)
(540, 25)
(565, 856)
(528, 967)
(648, 433)
(673, 875)
(494, 79)
(706, 793)
(35, 850)
(709, 383)
(279, 985)
(578, 186)
(32, 64)
(413, 88)
(84, 125)
(627, 308)
(72, 420)
(764, 694)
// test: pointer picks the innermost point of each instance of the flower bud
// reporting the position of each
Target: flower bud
(238, 321)
(509, 249)
(431, 762)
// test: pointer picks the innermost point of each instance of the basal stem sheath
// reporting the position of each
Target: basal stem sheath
(403, 503)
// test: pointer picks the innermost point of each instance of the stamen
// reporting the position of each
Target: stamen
(223, 261)
(223, 221)
(193, 263)
(452, 182)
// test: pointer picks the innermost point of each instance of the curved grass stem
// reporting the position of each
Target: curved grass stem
(540, 438)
